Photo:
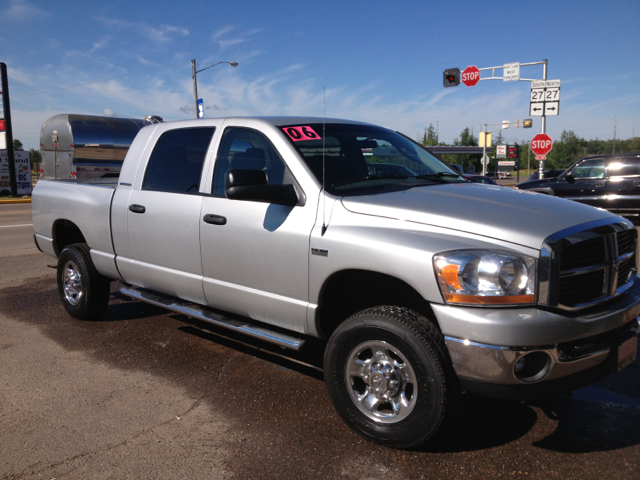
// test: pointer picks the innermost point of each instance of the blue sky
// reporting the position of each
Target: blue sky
(379, 61)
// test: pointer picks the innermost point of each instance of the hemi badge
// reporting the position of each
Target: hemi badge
(320, 252)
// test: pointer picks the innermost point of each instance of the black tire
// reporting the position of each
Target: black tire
(389, 376)
(83, 290)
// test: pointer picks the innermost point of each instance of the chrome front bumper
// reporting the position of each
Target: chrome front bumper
(530, 349)
(476, 362)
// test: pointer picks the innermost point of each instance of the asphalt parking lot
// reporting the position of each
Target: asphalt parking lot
(148, 394)
(144, 393)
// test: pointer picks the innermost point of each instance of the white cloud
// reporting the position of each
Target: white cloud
(21, 10)
(162, 34)
(107, 112)
(102, 43)
(220, 37)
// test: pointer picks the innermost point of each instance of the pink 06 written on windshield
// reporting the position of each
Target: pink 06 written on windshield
(298, 134)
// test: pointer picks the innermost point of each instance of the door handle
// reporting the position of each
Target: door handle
(599, 184)
(636, 183)
(215, 219)
(137, 208)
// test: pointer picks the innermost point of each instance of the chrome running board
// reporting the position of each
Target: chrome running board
(202, 313)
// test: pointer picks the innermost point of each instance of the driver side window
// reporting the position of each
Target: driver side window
(245, 149)
(589, 169)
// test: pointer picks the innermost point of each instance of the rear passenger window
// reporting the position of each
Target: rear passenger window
(624, 167)
(177, 159)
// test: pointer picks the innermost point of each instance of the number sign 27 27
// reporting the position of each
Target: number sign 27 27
(298, 134)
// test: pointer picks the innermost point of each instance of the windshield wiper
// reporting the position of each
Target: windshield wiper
(438, 176)
(372, 177)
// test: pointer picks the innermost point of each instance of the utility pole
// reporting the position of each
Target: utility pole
(615, 125)
(195, 86)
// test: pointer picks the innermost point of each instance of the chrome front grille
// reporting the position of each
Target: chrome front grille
(583, 267)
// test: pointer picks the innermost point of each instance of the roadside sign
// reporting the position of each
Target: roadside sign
(501, 151)
(545, 98)
(541, 157)
(513, 151)
(510, 72)
(551, 108)
(471, 76)
(485, 160)
(536, 109)
(484, 139)
(541, 144)
(200, 108)
(22, 169)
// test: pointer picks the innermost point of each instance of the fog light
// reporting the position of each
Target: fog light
(532, 367)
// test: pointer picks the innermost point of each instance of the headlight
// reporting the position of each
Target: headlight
(486, 277)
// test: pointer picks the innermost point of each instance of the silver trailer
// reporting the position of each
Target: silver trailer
(87, 146)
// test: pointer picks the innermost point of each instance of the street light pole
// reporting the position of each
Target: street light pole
(195, 86)
(195, 81)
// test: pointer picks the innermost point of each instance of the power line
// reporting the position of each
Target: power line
(99, 81)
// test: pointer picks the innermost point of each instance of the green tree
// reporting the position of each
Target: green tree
(567, 150)
(465, 160)
(498, 139)
(430, 137)
(35, 156)
(17, 145)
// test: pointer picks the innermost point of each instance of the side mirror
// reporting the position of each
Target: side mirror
(569, 178)
(252, 185)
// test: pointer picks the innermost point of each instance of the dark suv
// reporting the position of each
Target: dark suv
(611, 182)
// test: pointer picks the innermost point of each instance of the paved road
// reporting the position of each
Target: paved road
(149, 394)
(16, 229)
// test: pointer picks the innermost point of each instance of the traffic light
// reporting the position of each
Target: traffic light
(528, 123)
(451, 77)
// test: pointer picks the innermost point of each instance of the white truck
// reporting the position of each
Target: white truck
(422, 283)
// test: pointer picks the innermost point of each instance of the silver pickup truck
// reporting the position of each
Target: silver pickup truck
(422, 284)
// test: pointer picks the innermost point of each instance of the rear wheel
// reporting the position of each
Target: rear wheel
(389, 376)
(83, 290)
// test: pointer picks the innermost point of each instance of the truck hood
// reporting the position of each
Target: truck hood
(516, 216)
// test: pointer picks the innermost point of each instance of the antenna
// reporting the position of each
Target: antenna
(324, 192)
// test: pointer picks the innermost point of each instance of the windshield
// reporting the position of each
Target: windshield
(365, 159)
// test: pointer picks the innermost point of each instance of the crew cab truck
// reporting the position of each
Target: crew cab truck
(422, 283)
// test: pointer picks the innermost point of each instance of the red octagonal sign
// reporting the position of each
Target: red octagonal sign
(471, 76)
(541, 144)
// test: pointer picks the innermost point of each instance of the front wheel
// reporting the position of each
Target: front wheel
(83, 290)
(389, 376)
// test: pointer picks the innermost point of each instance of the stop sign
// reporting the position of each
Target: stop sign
(471, 76)
(541, 144)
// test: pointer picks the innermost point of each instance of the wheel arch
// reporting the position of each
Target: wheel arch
(350, 291)
(64, 233)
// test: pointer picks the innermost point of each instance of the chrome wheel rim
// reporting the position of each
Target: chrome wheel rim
(381, 381)
(72, 284)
